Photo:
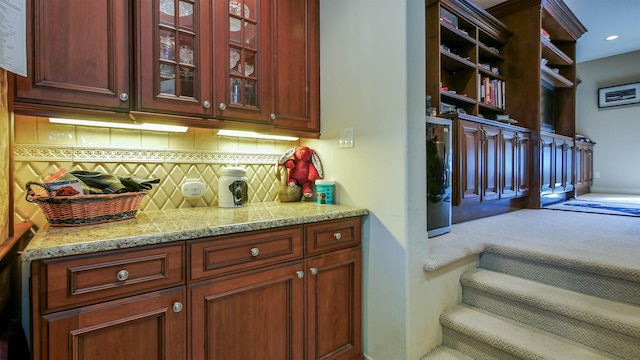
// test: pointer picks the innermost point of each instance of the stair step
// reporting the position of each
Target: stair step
(445, 353)
(507, 339)
(592, 279)
(607, 325)
(617, 316)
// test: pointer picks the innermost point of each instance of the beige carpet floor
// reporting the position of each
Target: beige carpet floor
(601, 240)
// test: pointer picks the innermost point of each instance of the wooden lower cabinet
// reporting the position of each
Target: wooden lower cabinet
(301, 299)
(492, 163)
(584, 167)
(334, 295)
(478, 151)
(514, 168)
(254, 316)
(151, 326)
(556, 164)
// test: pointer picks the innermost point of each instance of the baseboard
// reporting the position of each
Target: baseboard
(488, 208)
(610, 190)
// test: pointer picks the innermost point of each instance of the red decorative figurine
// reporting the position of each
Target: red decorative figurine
(304, 168)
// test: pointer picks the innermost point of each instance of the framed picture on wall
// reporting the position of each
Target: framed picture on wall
(619, 95)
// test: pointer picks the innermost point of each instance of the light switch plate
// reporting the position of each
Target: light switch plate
(346, 138)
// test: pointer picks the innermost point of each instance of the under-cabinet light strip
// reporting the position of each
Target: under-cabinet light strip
(255, 135)
(136, 126)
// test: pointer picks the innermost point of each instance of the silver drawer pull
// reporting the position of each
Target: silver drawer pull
(300, 274)
(337, 236)
(255, 252)
(123, 275)
(177, 307)
(314, 271)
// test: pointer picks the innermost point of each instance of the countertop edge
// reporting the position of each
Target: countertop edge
(136, 240)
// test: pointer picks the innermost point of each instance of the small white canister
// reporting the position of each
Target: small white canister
(233, 187)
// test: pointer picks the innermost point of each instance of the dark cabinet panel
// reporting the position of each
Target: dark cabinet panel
(556, 164)
(78, 54)
(523, 159)
(296, 66)
(584, 167)
(255, 316)
(469, 163)
(510, 159)
(334, 297)
(490, 162)
(146, 327)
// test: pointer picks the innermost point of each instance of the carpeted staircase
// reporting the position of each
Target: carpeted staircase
(525, 305)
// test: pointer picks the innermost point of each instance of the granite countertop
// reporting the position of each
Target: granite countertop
(163, 226)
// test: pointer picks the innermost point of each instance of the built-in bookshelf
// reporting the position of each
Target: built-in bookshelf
(542, 51)
(466, 67)
(542, 89)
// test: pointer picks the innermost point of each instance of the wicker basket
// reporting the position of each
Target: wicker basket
(85, 209)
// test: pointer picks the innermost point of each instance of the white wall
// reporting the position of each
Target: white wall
(363, 86)
(373, 80)
(616, 129)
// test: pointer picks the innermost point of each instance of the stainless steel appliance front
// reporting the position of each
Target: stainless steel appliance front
(439, 165)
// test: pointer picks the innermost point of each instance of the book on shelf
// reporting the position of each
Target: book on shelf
(491, 91)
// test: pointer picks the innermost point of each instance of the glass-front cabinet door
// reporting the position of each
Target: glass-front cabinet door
(242, 60)
(174, 59)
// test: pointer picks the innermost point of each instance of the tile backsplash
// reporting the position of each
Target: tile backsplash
(42, 148)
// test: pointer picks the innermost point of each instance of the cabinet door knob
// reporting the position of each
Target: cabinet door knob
(123, 275)
(337, 236)
(314, 271)
(300, 274)
(124, 96)
(206, 104)
(272, 116)
(255, 251)
(177, 306)
(222, 106)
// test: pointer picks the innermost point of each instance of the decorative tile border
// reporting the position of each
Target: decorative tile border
(26, 153)
(87, 154)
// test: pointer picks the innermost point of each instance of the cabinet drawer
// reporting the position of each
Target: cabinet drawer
(332, 235)
(227, 254)
(86, 279)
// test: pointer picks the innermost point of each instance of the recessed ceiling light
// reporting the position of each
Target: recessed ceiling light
(612, 37)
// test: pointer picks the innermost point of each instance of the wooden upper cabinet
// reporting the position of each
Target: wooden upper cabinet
(296, 65)
(243, 57)
(224, 63)
(174, 67)
(78, 54)
(267, 62)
